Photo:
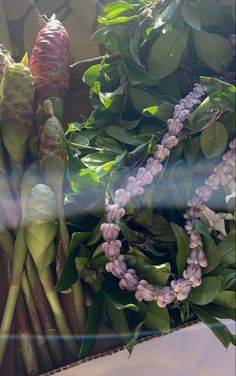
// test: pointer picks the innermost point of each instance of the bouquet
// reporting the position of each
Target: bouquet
(126, 219)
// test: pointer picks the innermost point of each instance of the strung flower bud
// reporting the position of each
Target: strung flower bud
(181, 287)
(165, 296)
(122, 197)
(112, 249)
(117, 267)
(114, 213)
(129, 281)
(193, 274)
(145, 291)
(110, 231)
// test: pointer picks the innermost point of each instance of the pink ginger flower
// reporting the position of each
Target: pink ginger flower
(174, 126)
(134, 186)
(204, 192)
(180, 114)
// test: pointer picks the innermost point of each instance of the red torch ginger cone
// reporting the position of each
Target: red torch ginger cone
(49, 63)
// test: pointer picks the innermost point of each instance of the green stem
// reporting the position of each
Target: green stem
(45, 313)
(7, 202)
(20, 251)
(23, 330)
(48, 285)
(79, 302)
(45, 358)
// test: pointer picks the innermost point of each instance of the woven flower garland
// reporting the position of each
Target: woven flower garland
(222, 175)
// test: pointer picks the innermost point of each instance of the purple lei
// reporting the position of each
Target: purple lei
(180, 288)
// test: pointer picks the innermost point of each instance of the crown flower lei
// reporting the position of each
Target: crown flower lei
(179, 289)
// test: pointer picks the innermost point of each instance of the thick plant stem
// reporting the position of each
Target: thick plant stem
(23, 330)
(79, 301)
(7, 202)
(20, 251)
(44, 355)
(7, 244)
(45, 313)
(60, 319)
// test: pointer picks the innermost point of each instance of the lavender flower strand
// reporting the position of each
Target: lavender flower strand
(180, 288)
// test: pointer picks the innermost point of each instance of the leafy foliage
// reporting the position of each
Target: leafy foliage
(155, 52)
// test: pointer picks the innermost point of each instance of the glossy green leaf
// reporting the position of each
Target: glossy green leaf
(180, 185)
(120, 298)
(117, 5)
(206, 292)
(227, 249)
(210, 248)
(130, 345)
(166, 53)
(70, 274)
(213, 50)
(92, 325)
(116, 21)
(157, 319)
(122, 135)
(118, 321)
(190, 15)
(219, 329)
(93, 73)
(109, 144)
(183, 249)
(214, 140)
(226, 299)
(158, 274)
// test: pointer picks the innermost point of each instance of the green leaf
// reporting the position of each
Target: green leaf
(210, 248)
(166, 53)
(182, 245)
(200, 116)
(191, 16)
(98, 158)
(206, 292)
(213, 50)
(109, 144)
(191, 148)
(219, 329)
(141, 99)
(129, 124)
(226, 299)
(116, 21)
(221, 94)
(122, 135)
(120, 298)
(151, 110)
(69, 274)
(158, 274)
(118, 321)
(93, 73)
(214, 140)
(117, 5)
(92, 325)
(157, 319)
(180, 184)
(220, 312)
(130, 345)
(227, 249)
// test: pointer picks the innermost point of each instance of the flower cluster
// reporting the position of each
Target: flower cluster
(180, 288)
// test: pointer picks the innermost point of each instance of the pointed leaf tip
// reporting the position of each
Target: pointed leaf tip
(25, 60)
